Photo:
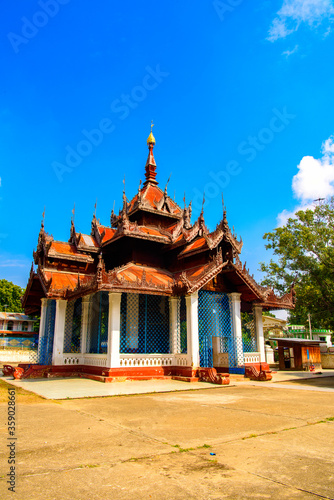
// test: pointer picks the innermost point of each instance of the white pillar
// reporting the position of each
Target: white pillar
(174, 326)
(59, 332)
(84, 323)
(114, 329)
(235, 305)
(259, 332)
(41, 334)
(192, 329)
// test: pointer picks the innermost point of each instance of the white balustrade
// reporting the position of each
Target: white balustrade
(182, 360)
(252, 357)
(148, 360)
(85, 359)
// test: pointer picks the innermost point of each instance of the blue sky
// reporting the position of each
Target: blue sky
(241, 94)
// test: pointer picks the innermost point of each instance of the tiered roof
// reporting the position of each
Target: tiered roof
(151, 246)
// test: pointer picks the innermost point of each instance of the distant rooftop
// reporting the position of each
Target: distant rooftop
(14, 316)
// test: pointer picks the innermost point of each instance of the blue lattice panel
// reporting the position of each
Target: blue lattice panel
(72, 336)
(181, 326)
(248, 333)
(97, 330)
(45, 343)
(144, 324)
(214, 320)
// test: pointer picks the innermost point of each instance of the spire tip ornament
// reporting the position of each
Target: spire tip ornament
(151, 138)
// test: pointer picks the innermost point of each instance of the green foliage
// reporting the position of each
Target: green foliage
(10, 296)
(268, 313)
(305, 256)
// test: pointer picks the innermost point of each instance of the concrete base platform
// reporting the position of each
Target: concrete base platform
(71, 388)
(239, 442)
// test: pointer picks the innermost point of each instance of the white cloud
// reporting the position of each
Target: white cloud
(295, 12)
(289, 53)
(315, 179)
(13, 263)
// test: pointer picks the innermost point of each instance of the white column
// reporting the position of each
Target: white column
(114, 329)
(41, 334)
(192, 329)
(58, 341)
(84, 323)
(259, 332)
(235, 305)
(174, 327)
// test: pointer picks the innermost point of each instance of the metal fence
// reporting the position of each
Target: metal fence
(45, 343)
(181, 342)
(72, 334)
(144, 324)
(248, 332)
(214, 320)
(97, 330)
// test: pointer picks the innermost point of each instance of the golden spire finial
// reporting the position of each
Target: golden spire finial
(151, 139)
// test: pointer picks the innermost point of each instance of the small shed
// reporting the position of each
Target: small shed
(298, 354)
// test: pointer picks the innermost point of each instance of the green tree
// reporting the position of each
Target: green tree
(10, 296)
(305, 256)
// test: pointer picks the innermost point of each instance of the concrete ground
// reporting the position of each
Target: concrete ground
(68, 388)
(236, 442)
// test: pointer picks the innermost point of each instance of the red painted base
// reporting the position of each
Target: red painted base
(211, 375)
(8, 370)
(254, 371)
(258, 371)
(107, 374)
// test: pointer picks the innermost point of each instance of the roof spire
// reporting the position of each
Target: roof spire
(150, 173)
(151, 139)
(43, 218)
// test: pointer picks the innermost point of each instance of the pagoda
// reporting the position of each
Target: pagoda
(150, 295)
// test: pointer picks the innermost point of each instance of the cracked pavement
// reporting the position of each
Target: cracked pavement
(237, 442)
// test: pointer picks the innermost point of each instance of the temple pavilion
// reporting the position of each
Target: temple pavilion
(150, 295)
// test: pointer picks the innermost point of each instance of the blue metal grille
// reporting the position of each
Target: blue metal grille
(72, 335)
(46, 342)
(144, 324)
(97, 332)
(248, 333)
(182, 326)
(214, 320)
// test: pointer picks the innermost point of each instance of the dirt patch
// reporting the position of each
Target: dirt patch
(23, 397)
(313, 382)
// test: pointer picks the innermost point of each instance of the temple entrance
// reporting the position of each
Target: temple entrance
(144, 324)
(215, 330)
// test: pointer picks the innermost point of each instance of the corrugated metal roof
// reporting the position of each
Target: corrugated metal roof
(14, 316)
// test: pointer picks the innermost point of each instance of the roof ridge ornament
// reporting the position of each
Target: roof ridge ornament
(170, 175)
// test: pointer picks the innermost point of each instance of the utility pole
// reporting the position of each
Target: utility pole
(309, 324)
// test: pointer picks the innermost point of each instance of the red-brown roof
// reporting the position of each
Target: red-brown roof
(63, 248)
(134, 272)
(61, 281)
(198, 244)
(87, 240)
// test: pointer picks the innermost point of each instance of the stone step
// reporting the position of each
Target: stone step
(238, 377)
(110, 379)
(185, 379)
